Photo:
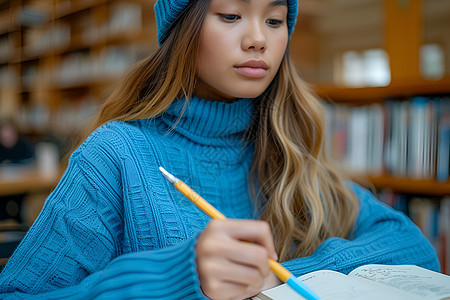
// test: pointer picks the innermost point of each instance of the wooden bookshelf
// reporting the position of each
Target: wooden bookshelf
(411, 186)
(79, 49)
(70, 7)
(366, 95)
(67, 8)
(352, 97)
(406, 83)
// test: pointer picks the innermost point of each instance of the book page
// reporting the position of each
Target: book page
(336, 286)
(419, 281)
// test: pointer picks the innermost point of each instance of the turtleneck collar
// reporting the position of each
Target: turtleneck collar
(208, 122)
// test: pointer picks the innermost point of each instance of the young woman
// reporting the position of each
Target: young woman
(220, 106)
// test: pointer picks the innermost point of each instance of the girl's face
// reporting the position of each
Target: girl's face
(242, 44)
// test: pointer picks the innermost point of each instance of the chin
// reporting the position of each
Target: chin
(248, 93)
(251, 95)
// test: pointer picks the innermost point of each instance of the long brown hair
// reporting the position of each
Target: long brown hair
(305, 200)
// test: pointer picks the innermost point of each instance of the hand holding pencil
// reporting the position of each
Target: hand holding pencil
(238, 272)
(229, 267)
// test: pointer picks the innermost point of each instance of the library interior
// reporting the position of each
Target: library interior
(381, 67)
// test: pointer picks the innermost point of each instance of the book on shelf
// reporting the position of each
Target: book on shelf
(443, 151)
(399, 138)
(358, 131)
(369, 282)
(417, 127)
(375, 139)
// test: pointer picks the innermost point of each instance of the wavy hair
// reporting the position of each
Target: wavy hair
(305, 199)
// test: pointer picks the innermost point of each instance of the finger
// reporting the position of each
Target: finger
(231, 290)
(231, 272)
(244, 275)
(250, 255)
(218, 289)
(236, 251)
(258, 232)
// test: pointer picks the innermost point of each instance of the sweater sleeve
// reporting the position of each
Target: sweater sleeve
(74, 249)
(168, 273)
(382, 235)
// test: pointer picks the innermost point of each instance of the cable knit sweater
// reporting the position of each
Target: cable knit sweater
(115, 228)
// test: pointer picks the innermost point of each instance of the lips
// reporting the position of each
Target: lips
(252, 68)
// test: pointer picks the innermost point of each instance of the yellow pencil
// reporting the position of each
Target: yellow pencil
(211, 211)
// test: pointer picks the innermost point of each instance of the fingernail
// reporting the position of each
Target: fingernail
(275, 256)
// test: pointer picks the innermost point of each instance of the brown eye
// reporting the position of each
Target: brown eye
(229, 18)
(274, 23)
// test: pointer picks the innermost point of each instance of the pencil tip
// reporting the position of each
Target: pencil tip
(172, 179)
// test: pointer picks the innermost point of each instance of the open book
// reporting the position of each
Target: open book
(369, 282)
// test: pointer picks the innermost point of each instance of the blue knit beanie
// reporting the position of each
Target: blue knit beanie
(167, 11)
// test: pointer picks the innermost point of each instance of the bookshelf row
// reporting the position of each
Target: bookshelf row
(367, 95)
(401, 138)
(58, 51)
(407, 185)
(72, 69)
(401, 143)
(124, 22)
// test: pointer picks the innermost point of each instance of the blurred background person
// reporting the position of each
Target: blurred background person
(13, 147)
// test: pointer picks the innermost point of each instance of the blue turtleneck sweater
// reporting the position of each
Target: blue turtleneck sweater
(115, 228)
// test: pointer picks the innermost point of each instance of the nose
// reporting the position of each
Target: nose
(254, 38)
